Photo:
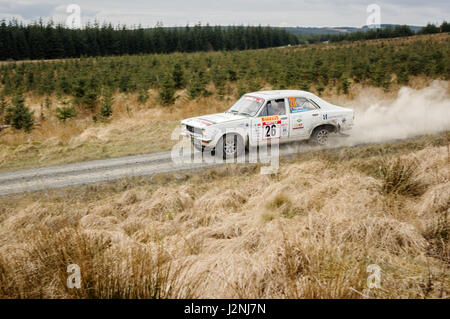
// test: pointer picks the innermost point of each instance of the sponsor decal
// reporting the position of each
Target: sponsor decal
(270, 118)
(298, 126)
(325, 116)
(299, 109)
(335, 116)
(254, 99)
(299, 120)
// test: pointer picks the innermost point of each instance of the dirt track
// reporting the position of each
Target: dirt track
(129, 166)
(105, 170)
(89, 172)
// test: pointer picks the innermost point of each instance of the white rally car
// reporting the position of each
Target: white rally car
(285, 115)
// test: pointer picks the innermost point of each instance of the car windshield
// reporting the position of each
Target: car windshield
(246, 105)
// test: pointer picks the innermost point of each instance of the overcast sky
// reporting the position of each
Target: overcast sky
(231, 12)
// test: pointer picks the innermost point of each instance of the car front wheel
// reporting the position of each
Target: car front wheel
(231, 146)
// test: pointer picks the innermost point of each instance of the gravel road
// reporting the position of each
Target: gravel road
(90, 172)
(106, 170)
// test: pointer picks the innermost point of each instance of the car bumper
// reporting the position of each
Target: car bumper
(200, 140)
(345, 129)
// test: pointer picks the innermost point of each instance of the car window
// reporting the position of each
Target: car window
(274, 107)
(247, 105)
(300, 104)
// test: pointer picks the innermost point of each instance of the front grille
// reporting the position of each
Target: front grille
(193, 130)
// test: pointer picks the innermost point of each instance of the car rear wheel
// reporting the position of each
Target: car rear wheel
(320, 136)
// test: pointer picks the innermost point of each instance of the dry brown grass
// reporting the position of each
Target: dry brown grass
(308, 232)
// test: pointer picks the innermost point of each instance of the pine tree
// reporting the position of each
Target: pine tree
(402, 75)
(167, 90)
(79, 91)
(19, 116)
(3, 107)
(178, 76)
(143, 96)
(304, 85)
(345, 85)
(320, 88)
(198, 85)
(445, 27)
(106, 109)
(241, 89)
(65, 113)
(90, 100)
(47, 102)
(219, 79)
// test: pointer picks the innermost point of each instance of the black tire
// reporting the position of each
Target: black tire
(230, 146)
(320, 136)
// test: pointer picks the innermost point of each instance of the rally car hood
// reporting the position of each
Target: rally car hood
(212, 119)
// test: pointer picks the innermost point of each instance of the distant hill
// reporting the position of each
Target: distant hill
(337, 30)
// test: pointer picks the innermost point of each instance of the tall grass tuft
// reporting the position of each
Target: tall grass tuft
(398, 176)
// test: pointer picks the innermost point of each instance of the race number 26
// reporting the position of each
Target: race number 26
(271, 130)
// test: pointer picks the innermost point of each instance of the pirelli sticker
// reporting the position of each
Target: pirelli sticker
(270, 118)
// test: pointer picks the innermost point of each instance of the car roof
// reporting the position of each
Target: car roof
(279, 94)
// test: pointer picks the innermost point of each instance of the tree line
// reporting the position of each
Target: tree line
(375, 33)
(49, 41)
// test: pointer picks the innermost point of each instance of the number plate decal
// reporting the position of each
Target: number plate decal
(271, 127)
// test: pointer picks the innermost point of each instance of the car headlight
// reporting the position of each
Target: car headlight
(209, 132)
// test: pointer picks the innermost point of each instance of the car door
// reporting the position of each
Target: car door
(304, 116)
(273, 120)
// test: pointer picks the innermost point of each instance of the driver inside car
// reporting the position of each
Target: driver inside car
(275, 108)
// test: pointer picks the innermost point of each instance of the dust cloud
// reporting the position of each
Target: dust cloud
(412, 113)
